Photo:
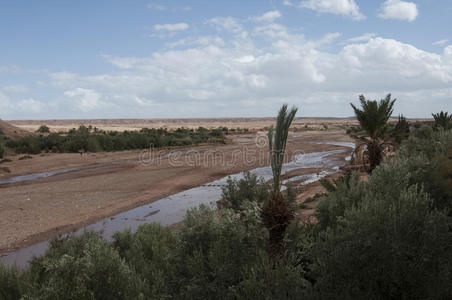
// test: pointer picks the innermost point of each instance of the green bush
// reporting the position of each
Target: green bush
(216, 250)
(429, 163)
(391, 244)
(83, 267)
(151, 252)
(346, 194)
(93, 140)
(11, 283)
(2, 151)
(388, 248)
(269, 280)
(249, 188)
(43, 129)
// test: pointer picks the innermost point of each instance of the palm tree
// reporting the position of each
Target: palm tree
(442, 119)
(276, 214)
(401, 130)
(373, 118)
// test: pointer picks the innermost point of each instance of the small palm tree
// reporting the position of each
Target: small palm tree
(373, 118)
(442, 119)
(401, 130)
(276, 214)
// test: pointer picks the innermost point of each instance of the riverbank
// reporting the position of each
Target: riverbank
(36, 211)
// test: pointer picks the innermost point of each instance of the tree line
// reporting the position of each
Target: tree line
(89, 139)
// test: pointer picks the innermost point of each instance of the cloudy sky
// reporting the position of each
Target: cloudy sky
(188, 58)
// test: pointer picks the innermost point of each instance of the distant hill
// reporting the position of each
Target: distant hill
(12, 131)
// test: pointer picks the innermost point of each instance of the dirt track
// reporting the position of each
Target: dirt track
(38, 210)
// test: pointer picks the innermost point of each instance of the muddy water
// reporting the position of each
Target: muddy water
(172, 209)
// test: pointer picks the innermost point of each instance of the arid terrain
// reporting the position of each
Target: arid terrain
(103, 184)
(136, 124)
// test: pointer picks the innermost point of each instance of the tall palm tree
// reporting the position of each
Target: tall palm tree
(373, 118)
(442, 119)
(276, 214)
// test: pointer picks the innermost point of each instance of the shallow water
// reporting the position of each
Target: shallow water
(35, 176)
(172, 209)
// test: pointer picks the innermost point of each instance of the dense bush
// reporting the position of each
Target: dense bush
(150, 251)
(10, 283)
(428, 156)
(93, 140)
(83, 267)
(346, 194)
(214, 254)
(43, 129)
(249, 188)
(389, 238)
(391, 247)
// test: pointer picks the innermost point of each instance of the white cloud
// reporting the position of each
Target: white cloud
(157, 6)
(398, 10)
(25, 107)
(161, 7)
(10, 69)
(5, 104)
(362, 38)
(269, 16)
(288, 3)
(86, 100)
(441, 42)
(339, 7)
(31, 106)
(221, 79)
(171, 27)
(226, 23)
(200, 41)
(15, 89)
(247, 69)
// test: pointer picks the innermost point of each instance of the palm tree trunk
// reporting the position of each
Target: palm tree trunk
(375, 154)
(276, 216)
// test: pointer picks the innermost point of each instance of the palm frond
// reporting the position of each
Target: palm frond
(443, 119)
(373, 116)
(277, 142)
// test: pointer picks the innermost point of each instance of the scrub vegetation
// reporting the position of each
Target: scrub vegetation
(389, 237)
(89, 139)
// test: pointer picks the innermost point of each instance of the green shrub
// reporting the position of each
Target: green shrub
(249, 188)
(83, 267)
(429, 163)
(43, 129)
(391, 245)
(215, 250)
(92, 139)
(11, 283)
(2, 151)
(391, 248)
(269, 280)
(151, 252)
(346, 193)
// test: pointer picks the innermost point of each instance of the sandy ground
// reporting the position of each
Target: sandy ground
(41, 209)
(136, 124)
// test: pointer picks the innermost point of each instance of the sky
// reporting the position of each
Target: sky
(65, 59)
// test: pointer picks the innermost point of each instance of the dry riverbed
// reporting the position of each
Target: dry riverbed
(33, 211)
